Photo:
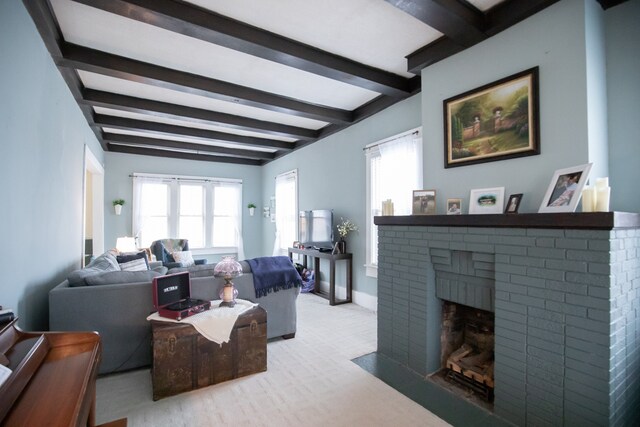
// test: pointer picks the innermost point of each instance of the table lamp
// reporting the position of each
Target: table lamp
(228, 268)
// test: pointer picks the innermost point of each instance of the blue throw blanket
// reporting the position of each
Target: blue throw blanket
(272, 274)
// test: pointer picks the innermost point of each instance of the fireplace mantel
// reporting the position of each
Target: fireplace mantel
(585, 221)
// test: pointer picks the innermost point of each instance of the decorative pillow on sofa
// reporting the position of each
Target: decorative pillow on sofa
(102, 263)
(118, 277)
(133, 261)
(183, 257)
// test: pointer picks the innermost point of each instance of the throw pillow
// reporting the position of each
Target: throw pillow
(134, 265)
(121, 277)
(184, 257)
(136, 261)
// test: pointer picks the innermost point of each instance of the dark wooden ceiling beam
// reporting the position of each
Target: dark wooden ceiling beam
(497, 19)
(180, 145)
(181, 155)
(96, 61)
(509, 13)
(203, 134)
(115, 101)
(457, 20)
(193, 21)
(47, 25)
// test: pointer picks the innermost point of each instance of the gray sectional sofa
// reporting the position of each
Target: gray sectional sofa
(116, 305)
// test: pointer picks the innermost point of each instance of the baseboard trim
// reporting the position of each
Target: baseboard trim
(360, 298)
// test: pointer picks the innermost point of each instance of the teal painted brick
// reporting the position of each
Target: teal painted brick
(510, 231)
(544, 273)
(566, 265)
(542, 364)
(588, 279)
(510, 250)
(594, 338)
(542, 344)
(598, 315)
(512, 240)
(542, 314)
(546, 294)
(527, 261)
(544, 334)
(566, 287)
(511, 317)
(549, 356)
(566, 308)
(588, 324)
(547, 325)
(589, 234)
(601, 245)
(545, 242)
(543, 232)
(511, 269)
(528, 281)
(587, 301)
(510, 306)
(572, 244)
(547, 253)
(588, 256)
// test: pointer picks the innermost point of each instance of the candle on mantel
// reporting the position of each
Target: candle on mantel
(603, 192)
(589, 199)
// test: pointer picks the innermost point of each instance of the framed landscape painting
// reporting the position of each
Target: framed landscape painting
(494, 122)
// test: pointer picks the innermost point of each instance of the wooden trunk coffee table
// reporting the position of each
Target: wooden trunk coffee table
(184, 360)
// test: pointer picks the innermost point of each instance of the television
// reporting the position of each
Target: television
(316, 228)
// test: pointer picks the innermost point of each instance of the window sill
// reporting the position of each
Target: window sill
(371, 270)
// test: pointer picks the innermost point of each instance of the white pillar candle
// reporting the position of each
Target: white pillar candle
(227, 294)
(602, 183)
(602, 199)
(589, 199)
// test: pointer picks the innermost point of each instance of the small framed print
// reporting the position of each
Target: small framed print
(565, 189)
(513, 203)
(424, 202)
(454, 206)
(486, 200)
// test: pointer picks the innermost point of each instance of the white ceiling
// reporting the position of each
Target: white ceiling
(377, 35)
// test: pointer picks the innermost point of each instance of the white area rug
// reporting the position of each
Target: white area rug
(310, 381)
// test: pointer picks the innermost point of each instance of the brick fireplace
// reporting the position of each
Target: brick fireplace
(565, 293)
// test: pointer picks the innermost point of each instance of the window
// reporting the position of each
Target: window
(394, 170)
(286, 211)
(206, 211)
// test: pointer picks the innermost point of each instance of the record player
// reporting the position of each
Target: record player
(172, 297)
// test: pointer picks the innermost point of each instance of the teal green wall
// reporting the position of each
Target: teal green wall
(43, 134)
(623, 85)
(119, 185)
(555, 41)
(331, 175)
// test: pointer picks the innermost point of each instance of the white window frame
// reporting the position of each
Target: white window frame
(174, 181)
(280, 246)
(373, 150)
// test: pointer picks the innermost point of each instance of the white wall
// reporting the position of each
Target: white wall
(43, 134)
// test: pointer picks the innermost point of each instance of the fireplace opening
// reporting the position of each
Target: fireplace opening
(467, 342)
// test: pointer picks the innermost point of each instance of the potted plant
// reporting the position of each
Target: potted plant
(117, 204)
(252, 208)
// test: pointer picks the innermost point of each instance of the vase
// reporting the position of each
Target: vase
(118, 209)
(252, 211)
(342, 246)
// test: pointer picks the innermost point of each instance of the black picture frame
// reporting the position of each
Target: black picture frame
(497, 121)
(513, 204)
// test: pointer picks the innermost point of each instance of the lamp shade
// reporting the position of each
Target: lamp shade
(126, 244)
(228, 268)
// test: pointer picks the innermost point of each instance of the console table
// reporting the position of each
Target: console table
(317, 256)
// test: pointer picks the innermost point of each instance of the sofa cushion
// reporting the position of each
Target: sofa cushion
(101, 264)
(184, 257)
(105, 262)
(119, 277)
(136, 261)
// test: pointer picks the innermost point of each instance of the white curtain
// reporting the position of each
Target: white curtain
(401, 169)
(139, 217)
(236, 213)
(286, 211)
